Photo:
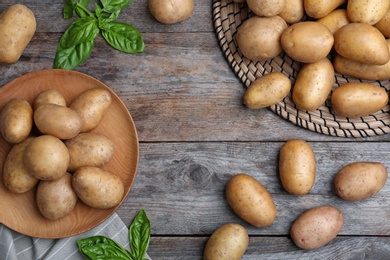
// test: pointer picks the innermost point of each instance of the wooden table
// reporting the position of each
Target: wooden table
(195, 134)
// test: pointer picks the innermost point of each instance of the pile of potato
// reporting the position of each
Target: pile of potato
(327, 37)
(54, 150)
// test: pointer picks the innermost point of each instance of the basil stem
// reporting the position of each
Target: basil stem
(139, 235)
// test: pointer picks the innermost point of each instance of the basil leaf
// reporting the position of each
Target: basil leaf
(111, 6)
(69, 8)
(81, 30)
(100, 247)
(123, 37)
(84, 3)
(139, 235)
(70, 58)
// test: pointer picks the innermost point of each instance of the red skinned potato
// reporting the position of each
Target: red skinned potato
(171, 11)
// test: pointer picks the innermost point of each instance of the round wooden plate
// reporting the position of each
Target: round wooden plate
(19, 211)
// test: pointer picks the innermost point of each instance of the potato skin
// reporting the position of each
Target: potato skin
(250, 200)
(383, 25)
(98, 188)
(52, 96)
(335, 20)
(293, 11)
(360, 180)
(229, 242)
(266, 8)
(320, 8)
(171, 11)
(367, 11)
(317, 227)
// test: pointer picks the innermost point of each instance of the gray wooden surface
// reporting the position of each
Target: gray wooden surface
(195, 134)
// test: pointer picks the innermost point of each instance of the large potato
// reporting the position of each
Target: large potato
(17, 27)
(171, 11)
(267, 8)
(229, 242)
(250, 200)
(360, 180)
(317, 227)
(297, 167)
(16, 120)
(52, 96)
(383, 25)
(98, 188)
(335, 20)
(320, 8)
(293, 11)
(367, 11)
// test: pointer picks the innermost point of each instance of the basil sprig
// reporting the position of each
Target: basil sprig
(77, 42)
(101, 247)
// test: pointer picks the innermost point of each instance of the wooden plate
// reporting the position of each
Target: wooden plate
(19, 211)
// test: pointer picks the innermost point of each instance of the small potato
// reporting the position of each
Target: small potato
(52, 96)
(92, 105)
(98, 188)
(46, 157)
(89, 149)
(367, 11)
(307, 41)
(320, 8)
(356, 99)
(313, 84)
(383, 25)
(16, 175)
(250, 200)
(16, 120)
(317, 227)
(267, 90)
(297, 167)
(360, 180)
(267, 8)
(56, 199)
(258, 38)
(350, 41)
(171, 11)
(335, 20)
(293, 11)
(229, 242)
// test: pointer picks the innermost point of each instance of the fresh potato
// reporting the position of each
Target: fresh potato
(171, 11)
(46, 157)
(89, 149)
(360, 180)
(98, 188)
(383, 25)
(52, 96)
(258, 38)
(297, 167)
(320, 8)
(317, 227)
(293, 11)
(250, 200)
(307, 41)
(16, 120)
(367, 11)
(313, 84)
(92, 105)
(17, 27)
(266, 8)
(229, 242)
(335, 20)
(350, 41)
(16, 175)
(356, 99)
(267, 90)
(56, 199)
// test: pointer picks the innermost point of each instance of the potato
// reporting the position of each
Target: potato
(59, 121)
(56, 199)
(89, 149)
(360, 180)
(17, 27)
(350, 41)
(267, 90)
(16, 120)
(320, 8)
(335, 20)
(229, 242)
(356, 99)
(250, 200)
(267, 8)
(258, 38)
(52, 96)
(92, 105)
(317, 227)
(367, 11)
(16, 175)
(313, 84)
(46, 157)
(293, 11)
(171, 11)
(98, 188)
(297, 167)
(383, 25)
(307, 41)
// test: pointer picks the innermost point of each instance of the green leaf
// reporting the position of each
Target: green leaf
(81, 30)
(69, 9)
(111, 6)
(70, 58)
(139, 235)
(101, 247)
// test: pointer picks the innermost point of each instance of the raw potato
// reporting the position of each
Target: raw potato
(367, 11)
(51, 96)
(56, 199)
(320, 8)
(384, 24)
(89, 149)
(91, 105)
(335, 20)
(356, 99)
(171, 11)
(258, 38)
(360, 180)
(250, 200)
(267, 90)
(17, 27)
(16, 175)
(313, 84)
(98, 188)
(229, 242)
(297, 167)
(46, 157)
(267, 8)
(16, 120)
(317, 227)
(293, 11)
